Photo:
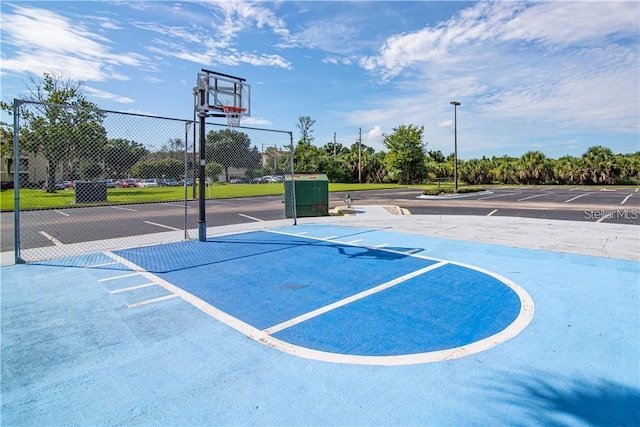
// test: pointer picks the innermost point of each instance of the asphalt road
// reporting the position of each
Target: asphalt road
(72, 225)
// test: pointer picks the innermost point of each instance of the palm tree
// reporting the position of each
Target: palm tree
(533, 168)
(600, 166)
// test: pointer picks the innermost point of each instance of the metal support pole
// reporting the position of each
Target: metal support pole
(293, 181)
(455, 144)
(187, 125)
(16, 180)
(202, 220)
(359, 155)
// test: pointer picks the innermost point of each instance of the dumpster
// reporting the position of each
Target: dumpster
(90, 192)
(311, 195)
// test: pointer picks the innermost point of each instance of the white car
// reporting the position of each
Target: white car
(148, 183)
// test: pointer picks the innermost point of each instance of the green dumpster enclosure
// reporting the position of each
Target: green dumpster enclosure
(311, 195)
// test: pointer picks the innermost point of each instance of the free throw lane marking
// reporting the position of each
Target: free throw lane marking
(151, 301)
(277, 328)
(133, 288)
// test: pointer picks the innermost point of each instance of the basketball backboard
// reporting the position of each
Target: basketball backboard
(216, 91)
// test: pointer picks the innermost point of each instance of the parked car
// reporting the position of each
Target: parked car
(189, 181)
(7, 185)
(58, 185)
(72, 184)
(237, 181)
(256, 181)
(111, 183)
(127, 183)
(148, 183)
(168, 182)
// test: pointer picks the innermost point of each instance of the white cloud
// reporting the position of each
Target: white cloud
(557, 23)
(522, 71)
(97, 93)
(46, 41)
(374, 137)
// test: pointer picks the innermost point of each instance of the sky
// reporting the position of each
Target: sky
(552, 76)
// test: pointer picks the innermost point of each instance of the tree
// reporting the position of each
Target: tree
(90, 171)
(533, 168)
(304, 125)
(231, 148)
(599, 166)
(63, 126)
(120, 155)
(213, 170)
(477, 171)
(406, 156)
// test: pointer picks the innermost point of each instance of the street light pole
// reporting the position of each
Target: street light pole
(455, 142)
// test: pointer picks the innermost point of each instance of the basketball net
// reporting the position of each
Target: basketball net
(234, 115)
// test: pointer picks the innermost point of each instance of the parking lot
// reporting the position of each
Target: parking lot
(620, 206)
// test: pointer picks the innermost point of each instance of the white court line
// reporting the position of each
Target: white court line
(51, 238)
(497, 195)
(61, 213)
(577, 197)
(327, 238)
(301, 233)
(296, 320)
(531, 197)
(353, 241)
(133, 288)
(151, 301)
(123, 209)
(106, 279)
(251, 217)
(381, 245)
(492, 212)
(626, 198)
(161, 225)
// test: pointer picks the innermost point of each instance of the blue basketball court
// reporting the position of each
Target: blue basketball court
(321, 324)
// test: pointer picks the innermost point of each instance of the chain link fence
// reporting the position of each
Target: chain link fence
(89, 180)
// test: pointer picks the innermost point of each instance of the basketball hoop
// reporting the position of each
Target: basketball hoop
(234, 115)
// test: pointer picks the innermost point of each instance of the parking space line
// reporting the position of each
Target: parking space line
(133, 288)
(577, 197)
(61, 213)
(531, 197)
(51, 238)
(161, 225)
(151, 301)
(626, 198)
(251, 217)
(322, 310)
(497, 195)
(492, 212)
(123, 209)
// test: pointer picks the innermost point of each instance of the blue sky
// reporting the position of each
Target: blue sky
(557, 77)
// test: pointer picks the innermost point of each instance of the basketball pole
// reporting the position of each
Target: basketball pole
(202, 220)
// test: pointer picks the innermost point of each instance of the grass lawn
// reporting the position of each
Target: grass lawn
(39, 199)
